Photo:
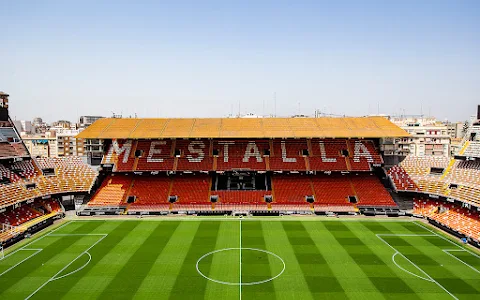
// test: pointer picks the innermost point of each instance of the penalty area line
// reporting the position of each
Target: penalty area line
(240, 277)
(54, 277)
(415, 265)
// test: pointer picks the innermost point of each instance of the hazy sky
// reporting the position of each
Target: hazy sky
(62, 59)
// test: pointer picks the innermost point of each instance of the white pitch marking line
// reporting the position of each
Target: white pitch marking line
(75, 271)
(468, 265)
(54, 276)
(14, 266)
(240, 277)
(415, 265)
(451, 242)
(405, 270)
(236, 283)
(36, 240)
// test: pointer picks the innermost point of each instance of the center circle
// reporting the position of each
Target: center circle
(242, 250)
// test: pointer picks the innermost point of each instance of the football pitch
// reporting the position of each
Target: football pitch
(209, 258)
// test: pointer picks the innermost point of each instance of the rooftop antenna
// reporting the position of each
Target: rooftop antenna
(275, 104)
(263, 109)
(421, 110)
(239, 108)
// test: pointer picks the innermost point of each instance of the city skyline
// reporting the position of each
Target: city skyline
(62, 60)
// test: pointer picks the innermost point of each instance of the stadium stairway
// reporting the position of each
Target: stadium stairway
(464, 148)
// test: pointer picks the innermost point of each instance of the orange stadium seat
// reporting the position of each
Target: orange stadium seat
(291, 189)
(191, 188)
(286, 155)
(241, 154)
(113, 191)
(150, 190)
(370, 191)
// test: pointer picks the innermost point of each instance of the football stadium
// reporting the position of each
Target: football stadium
(232, 208)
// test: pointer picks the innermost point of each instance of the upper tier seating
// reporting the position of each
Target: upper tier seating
(362, 154)
(473, 149)
(460, 179)
(156, 156)
(401, 179)
(195, 155)
(421, 165)
(71, 175)
(464, 172)
(327, 155)
(12, 150)
(241, 154)
(286, 155)
(257, 154)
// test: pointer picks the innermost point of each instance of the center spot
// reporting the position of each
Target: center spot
(251, 266)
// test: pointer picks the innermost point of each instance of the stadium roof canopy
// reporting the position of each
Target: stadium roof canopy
(363, 127)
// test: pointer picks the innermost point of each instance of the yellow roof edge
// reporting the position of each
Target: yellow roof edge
(373, 127)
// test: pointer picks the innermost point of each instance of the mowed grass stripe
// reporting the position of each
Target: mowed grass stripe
(318, 275)
(426, 252)
(24, 272)
(134, 271)
(456, 277)
(116, 232)
(33, 273)
(224, 265)
(353, 280)
(357, 240)
(256, 266)
(392, 232)
(189, 284)
(165, 270)
(290, 285)
(91, 280)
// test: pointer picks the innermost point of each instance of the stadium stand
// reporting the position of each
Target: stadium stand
(113, 191)
(17, 221)
(150, 190)
(473, 149)
(191, 189)
(246, 160)
(234, 154)
(401, 180)
(286, 155)
(370, 191)
(291, 188)
(458, 218)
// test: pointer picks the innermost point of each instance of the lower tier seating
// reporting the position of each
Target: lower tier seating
(241, 196)
(334, 192)
(457, 218)
(113, 191)
(291, 189)
(370, 191)
(14, 222)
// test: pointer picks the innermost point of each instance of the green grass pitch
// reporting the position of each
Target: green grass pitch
(240, 259)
